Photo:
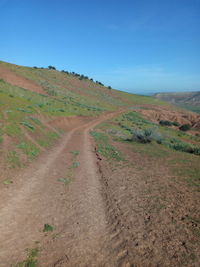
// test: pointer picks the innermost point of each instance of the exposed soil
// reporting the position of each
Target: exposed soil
(154, 211)
(76, 211)
(156, 114)
(106, 214)
(14, 79)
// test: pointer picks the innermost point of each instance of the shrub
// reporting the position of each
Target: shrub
(168, 123)
(180, 146)
(184, 147)
(185, 127)
(165, 123)
(175, 123)
(146, 136)
(27, 124)
(51, 67)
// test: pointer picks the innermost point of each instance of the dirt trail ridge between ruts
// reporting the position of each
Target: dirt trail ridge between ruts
(76, 211)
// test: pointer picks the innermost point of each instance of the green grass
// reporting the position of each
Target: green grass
(29, 149)
(13, 159)
(190, 107)
(170, 151)
(64, 180)
(75, 153)
(7, 182)
(104, 147)
(31, 260)
(134, 128)
(47, 228)
(28, 125)
(75, 164)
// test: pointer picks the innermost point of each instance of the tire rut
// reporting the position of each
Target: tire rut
(86, 233)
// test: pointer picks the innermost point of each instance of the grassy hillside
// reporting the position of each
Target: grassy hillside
(147, 155)
(154, 179)
(34, 102)
(33, 99)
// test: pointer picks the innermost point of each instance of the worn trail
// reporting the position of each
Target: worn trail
(77, 210)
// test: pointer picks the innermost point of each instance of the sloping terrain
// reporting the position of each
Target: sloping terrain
(189, 100)
(34, 105)
(92, 176)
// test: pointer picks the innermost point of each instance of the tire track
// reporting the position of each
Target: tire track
(85, 234)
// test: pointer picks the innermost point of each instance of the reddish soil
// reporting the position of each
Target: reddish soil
(153, 212)
(14, 79)
(161, 113)
(76, 211)
(130, 213)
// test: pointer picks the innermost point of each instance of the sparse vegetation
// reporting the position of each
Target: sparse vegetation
(185, 127)
(105, 148)
(146, 136)
(31, 260)
(169, 123)
(64, 180)
(47, 228)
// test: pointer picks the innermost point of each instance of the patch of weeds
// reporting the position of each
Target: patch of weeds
(146, 136)
(103, 146)
(75, 153)
(13, 159)
(36, 120)
(52, 135)
(28, 125)
(183, 147)
(31, 260)
(47, 228)
(64, 180)
(13, 130)
(168, 123)
(75, 164)
(7, 182)
(24, 110)
(29, 149)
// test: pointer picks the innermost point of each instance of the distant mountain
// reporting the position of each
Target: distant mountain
(192, 98)
(189, 100)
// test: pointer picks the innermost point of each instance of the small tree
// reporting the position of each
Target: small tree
(51, 67)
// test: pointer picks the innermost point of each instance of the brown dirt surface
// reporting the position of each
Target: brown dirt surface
(76, 210)
(155, 211)
(156, 114)
(130, 213)
(14, 79)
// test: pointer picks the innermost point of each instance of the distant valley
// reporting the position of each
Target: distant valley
(188, 100)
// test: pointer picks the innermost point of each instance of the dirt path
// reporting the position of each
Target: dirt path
(77, 211)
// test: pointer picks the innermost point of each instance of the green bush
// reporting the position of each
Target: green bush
(165, 123)
(184, 147)
(146, 136)
(185, 127)
(175, 123)
(169, 123)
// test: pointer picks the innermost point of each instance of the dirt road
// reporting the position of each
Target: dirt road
(62, 188)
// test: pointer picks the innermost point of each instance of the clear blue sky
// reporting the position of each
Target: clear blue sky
(134, 45)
